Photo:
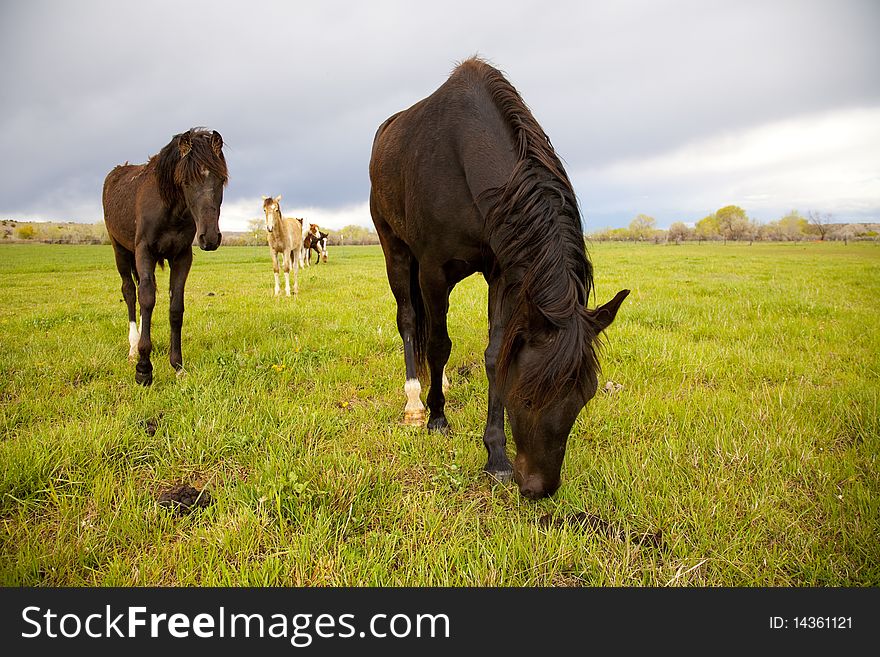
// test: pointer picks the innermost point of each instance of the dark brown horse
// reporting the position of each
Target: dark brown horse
(153, 212)
(466, 181)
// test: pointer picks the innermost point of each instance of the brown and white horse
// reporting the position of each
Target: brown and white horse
(309, 234)
(284, 237)
(315, 240)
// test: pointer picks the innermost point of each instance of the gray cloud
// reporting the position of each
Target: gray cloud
(298, 89)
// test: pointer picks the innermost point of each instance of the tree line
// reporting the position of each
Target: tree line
(731, 223)
(50, 232)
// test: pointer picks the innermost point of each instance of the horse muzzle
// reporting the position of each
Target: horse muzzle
(210, 242)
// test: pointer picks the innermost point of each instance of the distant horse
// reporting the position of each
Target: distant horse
(153, 212)
(316, 240)
(309, 233)
(466, 181)
(285, 237)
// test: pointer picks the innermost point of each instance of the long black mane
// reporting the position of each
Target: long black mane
(534, 226)
(202, 150)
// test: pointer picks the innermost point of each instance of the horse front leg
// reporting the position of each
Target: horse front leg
(435, 292)
(498, 464)
(180, 267)
(146, 267)
(274, 255)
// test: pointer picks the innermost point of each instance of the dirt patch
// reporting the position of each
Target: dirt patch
(184, 499)
(150, 425)
(584, 521)
(467, 370)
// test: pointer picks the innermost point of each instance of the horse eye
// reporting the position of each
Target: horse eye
(527, 403)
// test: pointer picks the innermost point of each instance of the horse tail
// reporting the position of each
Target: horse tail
(420, 328)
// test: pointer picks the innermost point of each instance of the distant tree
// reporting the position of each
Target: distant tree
(793, 226)
(845, 232)
(25, 231)
(821, 222)
(256, 232)
(707, 228)
(733, 224)
(642, 227)
(101, 232)
(770, 232)
(354, 234)
(610, 234)
(678, 232)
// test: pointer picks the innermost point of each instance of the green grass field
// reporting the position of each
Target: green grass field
(746, 432)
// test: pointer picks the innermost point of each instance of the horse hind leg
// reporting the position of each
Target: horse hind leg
(435, 292)
(287, 259)
(127, 271)
(402, 269)
(294, 262)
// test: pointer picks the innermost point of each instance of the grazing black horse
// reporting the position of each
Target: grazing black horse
(466, 181)
(153, 212)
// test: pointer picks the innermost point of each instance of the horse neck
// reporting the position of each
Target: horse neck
(281, 235)
(551, 279)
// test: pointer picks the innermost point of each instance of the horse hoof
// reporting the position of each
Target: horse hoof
(438, 424)
(143, 379)
(181, 373)
(501, 476)
(414, 418)
(133, 357)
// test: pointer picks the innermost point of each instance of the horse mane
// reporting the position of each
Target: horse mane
(534, 226)
(173, 170)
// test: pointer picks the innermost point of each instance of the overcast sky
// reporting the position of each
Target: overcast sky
(673, 109)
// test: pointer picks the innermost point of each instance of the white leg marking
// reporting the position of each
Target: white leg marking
(277, 286)
(413, 389)
(445, 381)
(134, 335)
(287, 283)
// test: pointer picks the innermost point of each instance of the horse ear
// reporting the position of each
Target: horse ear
(265, 197)
(605, 314)
(184, 144)
(278, 198)
(216, 143)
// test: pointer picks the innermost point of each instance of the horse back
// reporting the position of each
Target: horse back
(120, 203)
(432, 164)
